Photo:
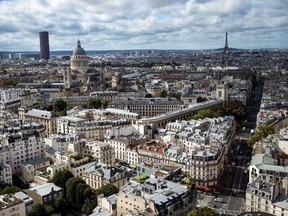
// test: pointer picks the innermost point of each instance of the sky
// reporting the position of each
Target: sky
(143, 24)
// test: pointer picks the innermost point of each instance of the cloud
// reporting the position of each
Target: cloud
(129, 24)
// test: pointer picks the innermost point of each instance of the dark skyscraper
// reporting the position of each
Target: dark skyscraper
(44, 45)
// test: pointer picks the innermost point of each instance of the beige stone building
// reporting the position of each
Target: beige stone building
(265, 197)
(156, 196)
(29, 168)
(104, 153)
(47, 118)
(147, 106)
(6, 174)
(98, 175)
(44, 194)
(11, 206)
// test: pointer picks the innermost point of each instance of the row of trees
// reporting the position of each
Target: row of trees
(164, 94)
(205, 211)
(77, 196)
(232, 108)
(262, 132)
(60, 106)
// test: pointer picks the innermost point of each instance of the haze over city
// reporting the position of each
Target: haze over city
(147, 24)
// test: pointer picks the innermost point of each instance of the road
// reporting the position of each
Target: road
(235, 177)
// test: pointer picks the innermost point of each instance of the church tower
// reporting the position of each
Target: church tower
(67, 78)
(222, 92)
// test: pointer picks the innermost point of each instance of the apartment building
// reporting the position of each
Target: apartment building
(105, 96)
(47, 118)
(23, 147)
(109, 203)
(263, 167)
(4, 155)
(104, 153)
(98, 175)
(62, 143)
(68, 124)
(44, 194)
(28, 168)
(11, 205)
(147, 106)
(89, 129)
(265, 197)
(120, 146)
(156, 196)
(10, 94)
(6, 174)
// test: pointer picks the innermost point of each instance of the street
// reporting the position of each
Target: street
(236, 174)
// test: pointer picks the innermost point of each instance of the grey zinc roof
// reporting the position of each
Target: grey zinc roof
(40, 114)
(264, 186)
(36, 161)
(98, 211)
(274, 168)
(106, 171)
(281, 202)
(260, 159)
(112, 199)
(4, 148)
(46, 189)
(24, 197)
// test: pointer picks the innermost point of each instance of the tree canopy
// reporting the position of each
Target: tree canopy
(205, 211)
(142, 178)
(61, 177)
(10, 190)
(232, 108)
(77, 192)
(38, 210)
(93, 103)
(262, 132)
(163, 93)
(107, 190)
(60, 106)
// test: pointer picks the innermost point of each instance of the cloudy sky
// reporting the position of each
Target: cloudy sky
(143, 24)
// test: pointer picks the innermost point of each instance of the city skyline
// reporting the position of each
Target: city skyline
(147, 24)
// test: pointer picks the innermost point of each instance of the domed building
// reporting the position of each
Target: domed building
(79, 60)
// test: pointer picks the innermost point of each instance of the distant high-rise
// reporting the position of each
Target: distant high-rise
(44, 45)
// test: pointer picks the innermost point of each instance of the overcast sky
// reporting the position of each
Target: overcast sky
(143, 24)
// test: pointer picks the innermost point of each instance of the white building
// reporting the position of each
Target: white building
(6, 173)
(11, 205)
(10, 94)
(23, 147)
(104, 153)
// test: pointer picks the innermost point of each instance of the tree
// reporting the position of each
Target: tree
(88, 207)
(148, 96)
(201, 99)
(163, 93)
(61, 177)
(189, 181)
(93, 103)
(60, 205)
(37, 210)
(49, 210)
(71, 186)
(142, 178)
(107, 190)
(205, 211)
(60, 106)
(10, 190)
(262, 132)
(174, 95)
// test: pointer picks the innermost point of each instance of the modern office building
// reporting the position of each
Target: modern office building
(44, 45)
